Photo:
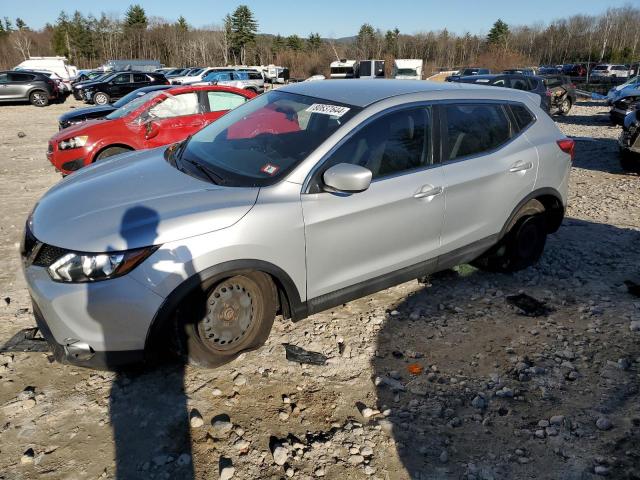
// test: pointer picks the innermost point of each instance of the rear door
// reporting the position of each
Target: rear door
(393, 225)
(488, 168)
(120, 85)
(217, 103)
(174, 119)
(18, 85)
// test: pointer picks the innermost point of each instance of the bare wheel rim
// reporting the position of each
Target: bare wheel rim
(233, 309)
(565, 106)
(38, 98)
(100, 99)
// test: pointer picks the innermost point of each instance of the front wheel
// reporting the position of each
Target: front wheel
(39, 98)
(110, 152)
(565, 106)
(101, 98)
(522, 247)
(237, 316)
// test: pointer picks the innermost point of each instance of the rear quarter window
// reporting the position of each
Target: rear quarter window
(522, 115)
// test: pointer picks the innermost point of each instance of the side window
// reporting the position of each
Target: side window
(20, 77)
(534, 83)
(392, 144)
(176, 106)
(522, 115)
(254, 76)
(519, 84)
(4, 78)
(140, 77)
(221, 101)
(122, 78)
(472, 129)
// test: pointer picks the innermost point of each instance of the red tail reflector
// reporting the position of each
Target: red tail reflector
(567, 146)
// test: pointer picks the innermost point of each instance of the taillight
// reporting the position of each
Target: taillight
(567, 146)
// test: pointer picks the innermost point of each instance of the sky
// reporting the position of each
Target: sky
(330, 18)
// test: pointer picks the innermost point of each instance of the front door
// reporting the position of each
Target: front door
(394, 224)
(173, 119)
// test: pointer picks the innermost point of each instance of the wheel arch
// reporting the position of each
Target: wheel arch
(550, 199)
(102, 148)
(289, 302)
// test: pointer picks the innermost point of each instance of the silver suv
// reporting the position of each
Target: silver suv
(300, 200)
(27, 86)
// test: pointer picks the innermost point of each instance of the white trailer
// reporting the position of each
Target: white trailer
(407, 69)
(343, 68)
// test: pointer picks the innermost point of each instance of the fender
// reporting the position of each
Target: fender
(536, 194)
(291, 304)
(106, 144)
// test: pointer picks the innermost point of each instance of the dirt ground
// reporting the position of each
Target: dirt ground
(443, 380)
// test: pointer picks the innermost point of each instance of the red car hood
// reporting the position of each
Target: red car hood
(89, 127)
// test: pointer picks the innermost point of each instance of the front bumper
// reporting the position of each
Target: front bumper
(68, 161)
(100, 325)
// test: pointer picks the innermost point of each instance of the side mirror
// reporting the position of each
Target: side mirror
(348, 178)
(151, 130)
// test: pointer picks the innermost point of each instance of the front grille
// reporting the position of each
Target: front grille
(48, 254)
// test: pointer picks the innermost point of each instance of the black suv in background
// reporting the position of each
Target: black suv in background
(27, 86)
(119, 84)
(529, 83)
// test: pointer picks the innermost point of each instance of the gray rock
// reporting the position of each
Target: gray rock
(356, 459)
(479, 402)
(601, 470)
(226, 473)
(195, 418)
(556, 420)
(635, 326)
(221, 427)
(280, 455)
(444, 456)
(603, 423)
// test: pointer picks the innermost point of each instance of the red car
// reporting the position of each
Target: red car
(152, 120)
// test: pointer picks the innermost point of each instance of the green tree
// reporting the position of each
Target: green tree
(8, 26)
(499, 33)
(365, 41)
(135, 16)
(391, 41)
(182, 24)
(294, 42)
(314, 42)
(20, 24)
(278, 44)
(243, 31)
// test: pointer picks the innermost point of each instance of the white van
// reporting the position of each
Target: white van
(56, 65)
(407, 69)
(608, 70)
(343, 69)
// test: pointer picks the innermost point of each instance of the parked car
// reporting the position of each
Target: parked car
(33, 87)
(562, 92)
(608, 70)
(549, 70)
(255, 79)
(574, 70)
(64, 88)
(466, 72)
(265, 212)
(629, 141)
(79, 115)
(519, 82)
(232, 78)
(622, 107)
(77, 88)
(193, 76)
(618, 91)
(86, 75)
(520, 71)
(155, 119)
(176, 72)
(118, 85)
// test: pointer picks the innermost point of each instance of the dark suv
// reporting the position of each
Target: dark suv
(562, 92)
(26, 86)
(529, 83)
(120, 84)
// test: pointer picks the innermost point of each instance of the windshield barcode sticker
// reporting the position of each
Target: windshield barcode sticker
(324, 109)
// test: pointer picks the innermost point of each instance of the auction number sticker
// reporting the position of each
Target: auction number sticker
(325, 109)
(270, 169)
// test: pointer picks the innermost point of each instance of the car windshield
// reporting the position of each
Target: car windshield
(132, 105)
(632, 81)
(407, 71)
(601, 67)
(133, 95)
(195, 72)
(261, 141)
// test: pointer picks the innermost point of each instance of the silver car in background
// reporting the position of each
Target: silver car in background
(302, 199)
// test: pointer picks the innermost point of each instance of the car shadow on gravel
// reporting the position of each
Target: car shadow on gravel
(461, 391)
(148, 408)
(601, 154)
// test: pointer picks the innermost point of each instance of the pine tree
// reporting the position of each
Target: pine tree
(135, 16)
(365, 41)
(182, 24)
(8, 26)
(391, 41)
(314, 42)
(294, 42)
(278, 44)
(20, 24)
(243, 29)
(499, 33)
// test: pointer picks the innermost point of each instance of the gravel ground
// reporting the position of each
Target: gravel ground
(423, 381)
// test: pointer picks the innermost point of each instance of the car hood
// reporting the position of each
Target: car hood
(87, 83)
(87, 112)
(93, 126)
(134, 200)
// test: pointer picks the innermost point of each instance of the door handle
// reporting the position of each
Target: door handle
(521, 167)
(431, 192)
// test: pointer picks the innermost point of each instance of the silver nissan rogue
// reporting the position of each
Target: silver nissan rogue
(300, 200)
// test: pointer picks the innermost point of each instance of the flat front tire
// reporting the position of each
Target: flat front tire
(236, 317)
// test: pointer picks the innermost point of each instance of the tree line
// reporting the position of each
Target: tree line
(89, 41)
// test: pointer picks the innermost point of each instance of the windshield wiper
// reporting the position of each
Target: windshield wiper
(209, 173)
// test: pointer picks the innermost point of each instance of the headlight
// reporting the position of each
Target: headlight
(92, 267)
(74, 142)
